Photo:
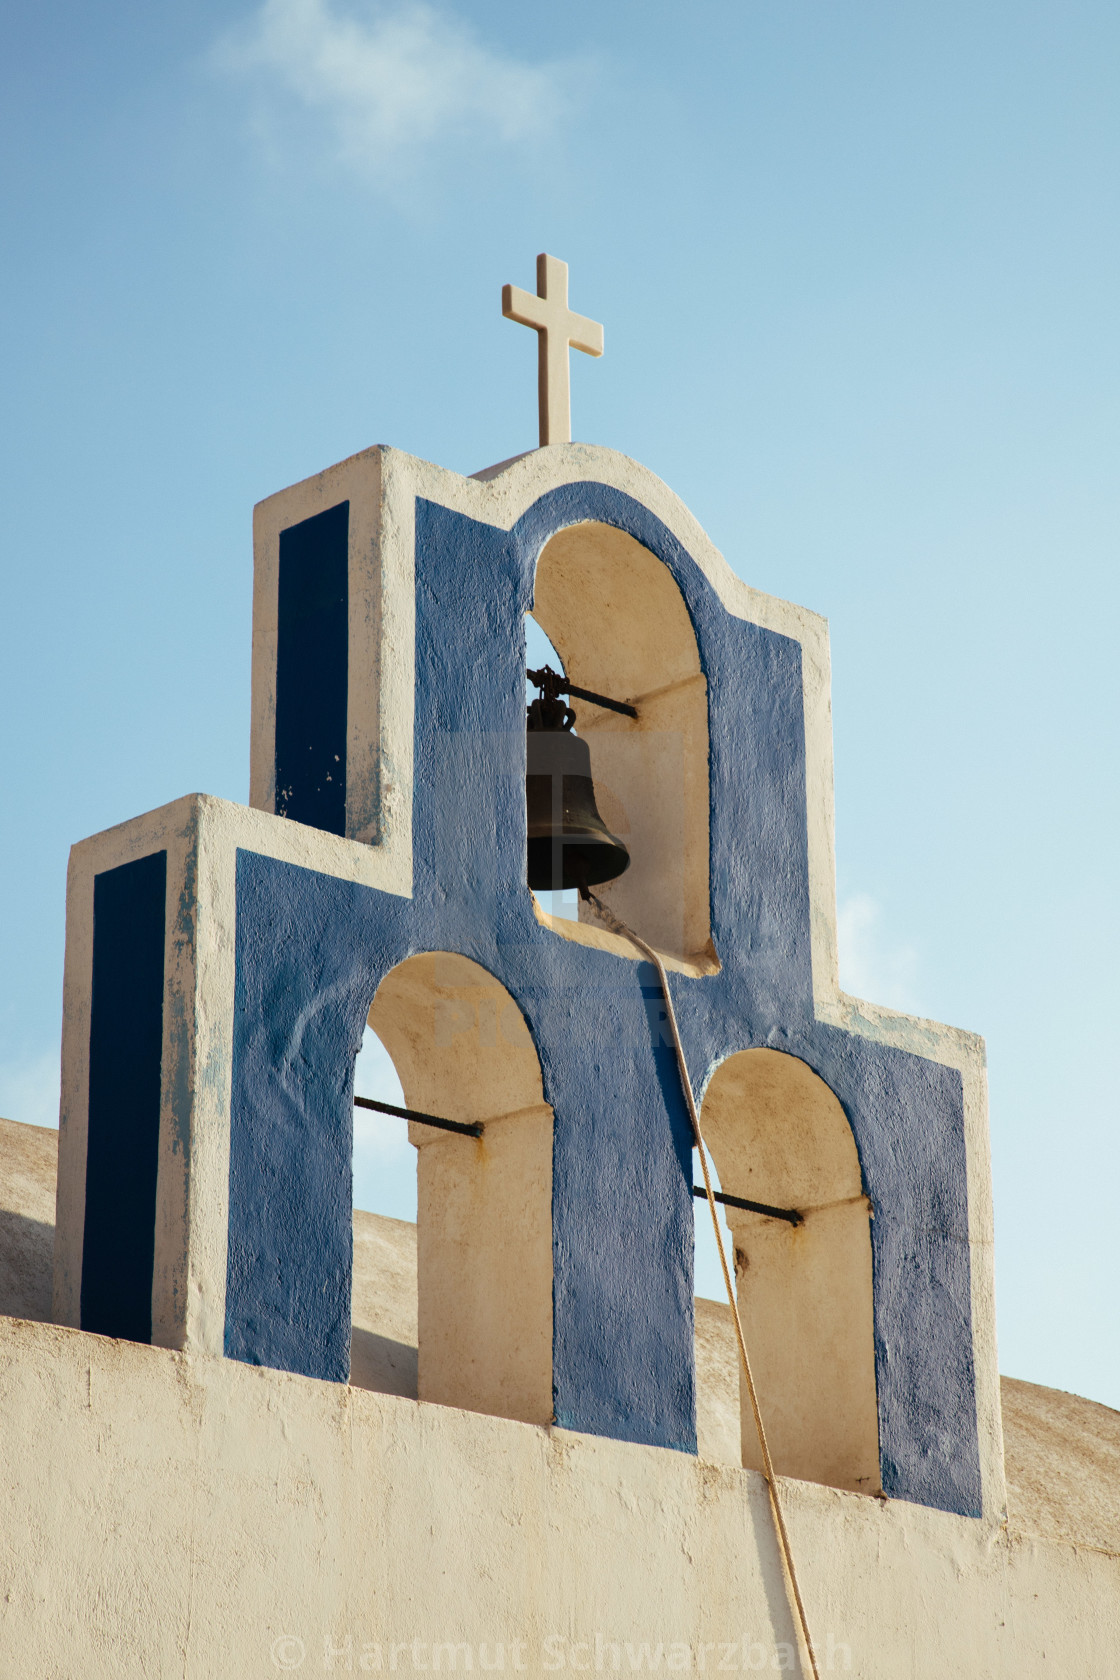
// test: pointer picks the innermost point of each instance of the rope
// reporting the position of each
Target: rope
(620, 927)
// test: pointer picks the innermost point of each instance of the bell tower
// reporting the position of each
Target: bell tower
(400, 817)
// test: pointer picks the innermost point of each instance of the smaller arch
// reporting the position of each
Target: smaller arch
(462, 1049)
(779, 1135)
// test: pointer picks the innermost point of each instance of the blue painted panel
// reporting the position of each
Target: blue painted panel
(125, 1062)
(907, 1115)
(296, 1033)
(622, 1221)
(311, 952)
(311, 670)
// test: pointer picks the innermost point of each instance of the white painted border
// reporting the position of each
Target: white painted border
(381, 658)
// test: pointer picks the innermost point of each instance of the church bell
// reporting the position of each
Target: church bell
(569, 843)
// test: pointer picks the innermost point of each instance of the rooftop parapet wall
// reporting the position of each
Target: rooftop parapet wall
(177, 1514)
(277, 936)
(1063, 1452)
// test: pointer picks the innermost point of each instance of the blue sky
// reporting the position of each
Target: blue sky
(857, 269)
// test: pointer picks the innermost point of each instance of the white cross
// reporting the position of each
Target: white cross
(556, 327)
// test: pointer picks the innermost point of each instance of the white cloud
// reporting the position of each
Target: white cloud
(872, 965)
(391, 78)
(29, 1090)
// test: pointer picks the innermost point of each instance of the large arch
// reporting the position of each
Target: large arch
(619, 622)
(778, 1135)
(484, 1206)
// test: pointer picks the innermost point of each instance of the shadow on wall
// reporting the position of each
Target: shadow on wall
(29, 1162)
(26, 1266)
(381, 1364)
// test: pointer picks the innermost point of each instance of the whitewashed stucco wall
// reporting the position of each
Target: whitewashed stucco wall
(164, 1514)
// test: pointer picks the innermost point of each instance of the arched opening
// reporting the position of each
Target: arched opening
(779, 1136)
(383, 1290)
(539, 651)
(462, 1051)
(619, 623)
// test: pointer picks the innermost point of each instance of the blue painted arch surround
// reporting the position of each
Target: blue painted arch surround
(312, 949)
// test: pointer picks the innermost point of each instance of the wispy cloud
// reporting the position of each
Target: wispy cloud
(29, 1090)
(390, 79)
(872, 964)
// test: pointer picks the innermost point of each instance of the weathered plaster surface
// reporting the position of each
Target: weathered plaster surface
(164, 1514)
(172, 1515)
